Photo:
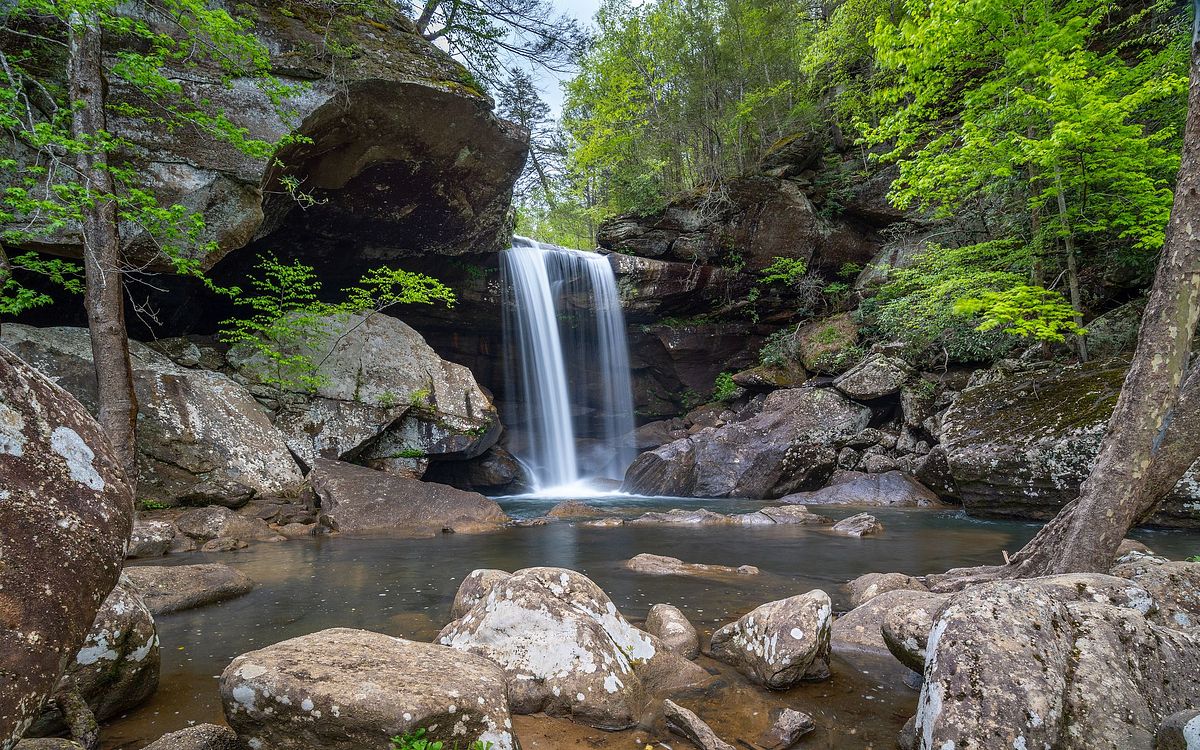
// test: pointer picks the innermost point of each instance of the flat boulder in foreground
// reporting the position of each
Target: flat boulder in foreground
(357, 499)
(344, 689)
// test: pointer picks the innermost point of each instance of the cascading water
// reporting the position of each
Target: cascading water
(567, 363)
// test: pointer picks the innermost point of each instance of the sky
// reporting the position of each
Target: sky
(548, 81)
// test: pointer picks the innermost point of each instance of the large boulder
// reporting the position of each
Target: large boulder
(117, 668)
(784, 448)
(864, 627)
(891, 488)
(566, 650)
(1020, 446)
(781, 643)
(876, 376)
(870, 585)
(174, 588)
(382, 397)
(344, 689)
(358, 499)
(196, 429)
(66, 510)
(1068, 664)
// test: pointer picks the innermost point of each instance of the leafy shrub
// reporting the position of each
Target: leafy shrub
(417, 741)
(724, 388)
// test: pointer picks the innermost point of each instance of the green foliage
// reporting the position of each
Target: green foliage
(724, 388)
(16, 297)
(419, 398)
(779, 350)
(288, 321)
(785, 271)
(147, 504)
(1023, 310)
(416, 740)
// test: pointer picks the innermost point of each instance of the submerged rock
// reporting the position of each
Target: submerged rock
(660, 565)
(174, 588)
(672, 627)
(566, 650)
(196, 428)
(117, 668)
(199, 737)
(886, 489)
(688, 725)
(789, 727)
(1022, 445)
(344, 689)
(781, 643)
(785, 447)
(357, 499)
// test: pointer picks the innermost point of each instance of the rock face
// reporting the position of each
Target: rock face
(357, 499)
(195, 428)
(384, 398)
(167, 589)
(784, 448)
(660, 565)
(1021, 446)
(346, 689)
(384, 182)
(66, 509)
(199, 737)
(1067, 662)
(780, 643)
(566, 650)
(875, 377)
(117, 668)
(891, 488)
(672, 627)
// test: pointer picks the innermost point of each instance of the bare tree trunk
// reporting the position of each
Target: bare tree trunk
(1152, 435)
(104, 298)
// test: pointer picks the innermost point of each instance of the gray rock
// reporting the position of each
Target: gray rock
(783, 448)
(780, 643)
(217, 522)
(1020, 447)
(878, 463)
(862, 524)
(871, 585)
(117, 667)
(875, 377)
(344, 689)
(150, 539)
(689, 726)
(174, 588)
(661, 565)
(783, 514)
(223, 492)
(787, 730)
(199, 737)
(48, 743)
(673, 628)
(195, 427)
(863, 628)
(1173, 586)
(357, 499)
(475, 588)
(566, 650)
(856, 488)
(1179, 731)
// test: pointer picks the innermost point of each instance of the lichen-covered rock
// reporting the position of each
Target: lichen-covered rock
(1179, 731)
(871, 585)
(876, 376)
(782, 449)
(474, 588)
(823, 344)
(1022, 445)
(661, 565)
(1063, 665)
(344, 689)
(384, 397)
(66, 511)
(566, 650)
(196, 429)
(1174, 587)
(770, 377)
(358, 499)
(150, 539)
(218, 522)
(673, 628)
(117, 668)
(174, 588)
(863, 628)
(862, 524)
(199, 737)
(890, 488)
(780, 643)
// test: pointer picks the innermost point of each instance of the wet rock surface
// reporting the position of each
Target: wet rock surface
(788, 728)
(174, 588)
(860, 525)
(671, 626)
(780, 643)
(690, 726)
(886, 489)
(344, 689)
(661, 565)
(356, 499)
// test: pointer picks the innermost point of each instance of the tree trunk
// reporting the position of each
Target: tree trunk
(1152, 435)
(104, 298)
(6, 270)
(1072, 269)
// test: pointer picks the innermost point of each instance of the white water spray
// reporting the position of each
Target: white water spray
(568, 363)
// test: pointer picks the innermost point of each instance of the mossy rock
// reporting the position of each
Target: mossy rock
(823, 345)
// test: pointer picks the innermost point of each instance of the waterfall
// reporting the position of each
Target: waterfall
(567, 364)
